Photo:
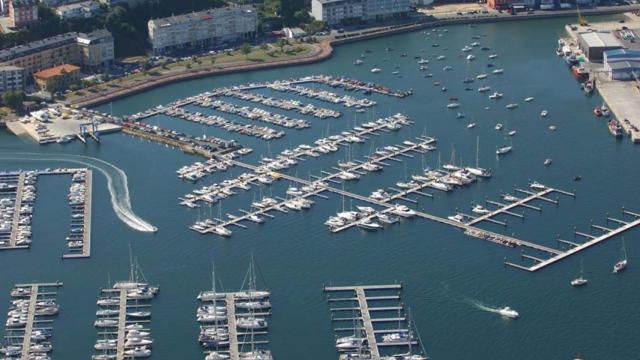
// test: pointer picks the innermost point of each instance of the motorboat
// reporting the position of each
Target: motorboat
(511, 106)
(251, 323)
(471, 125)
(403, 211)
(479, 209)
(498, 127)
(457, 218)
(138, 352)
(376, 70)
(529, 99)
(622, 264)
(369, 225)
(537, 186)
(512, 133)
(544, 113)
(387, 219)
(548, 161)
(508, 313)
(504, 150)
(496, 95)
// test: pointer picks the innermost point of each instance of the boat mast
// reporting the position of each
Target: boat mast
(477, 150)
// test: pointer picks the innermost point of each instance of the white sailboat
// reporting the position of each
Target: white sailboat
(580, 280)
(622, 264)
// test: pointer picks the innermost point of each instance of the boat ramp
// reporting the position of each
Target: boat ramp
(370, 320)
(28, 326)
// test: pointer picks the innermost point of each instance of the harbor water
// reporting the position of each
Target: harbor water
(451, 282)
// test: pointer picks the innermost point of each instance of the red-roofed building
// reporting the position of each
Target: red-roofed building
(57, 78)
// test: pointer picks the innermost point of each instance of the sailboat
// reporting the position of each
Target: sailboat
(251, 322)
(214, 336)
(622, 264)
(478, 171)
(579, 281)
(136, 277)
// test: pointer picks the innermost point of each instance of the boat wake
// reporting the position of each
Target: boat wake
(116, 183)
(483, 307)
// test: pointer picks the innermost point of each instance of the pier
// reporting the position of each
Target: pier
(16, 214)
(577, 247)
(29, 323)
(85, 210)
(363, 324)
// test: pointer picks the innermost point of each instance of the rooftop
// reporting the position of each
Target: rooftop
(56, 71)
(200, 15)
(622, 53)
(600, 39)
(627, 64)
(335, 1)
(95, 36)
(10, 68)
(38, 45)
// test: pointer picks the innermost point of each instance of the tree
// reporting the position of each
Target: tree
(282, 43)
(13, 99)
(213, 60)
(245, 49)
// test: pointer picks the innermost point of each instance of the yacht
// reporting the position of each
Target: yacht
(479, 209)
(369, 225)
(510, 198)
(537, 186)
(138, 352)
(457, 218)
(471, 57)
(511, 106)
(388, 219)
(508, 313)
(498, 71)
(504, 150)
(484, 89)
(453, 106)
(496, 95)
(221, 230)
(251, 323)
(217, 356)
(376, 70)
(512, 133)
(403, 210)
(471, 125)
(482, 76)
(529, 99)
(493, 56)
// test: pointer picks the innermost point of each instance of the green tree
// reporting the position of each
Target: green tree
(13, 99)
(245, 49)
(281, 43)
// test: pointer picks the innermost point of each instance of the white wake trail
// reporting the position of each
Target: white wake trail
(116, 183)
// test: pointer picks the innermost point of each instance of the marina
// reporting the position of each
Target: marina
(123, 317)
(416, 217)
(371, 320)
(18, 208)
(233, 325)
(29, 324)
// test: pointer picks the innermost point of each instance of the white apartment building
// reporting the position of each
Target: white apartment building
(85, 9)
(335, 12)
(203, 30)
(11, 78)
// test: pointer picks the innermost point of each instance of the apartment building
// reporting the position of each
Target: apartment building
(203, 30)
(11, 79)
(23, 12)
(334, 12)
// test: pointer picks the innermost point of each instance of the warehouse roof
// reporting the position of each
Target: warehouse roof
(600, 39)
(624, 65)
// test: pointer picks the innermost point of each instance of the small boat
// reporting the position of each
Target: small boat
(460, 116)
(547, 162)
(453, 106)
(529, 99)
(471, 125)
(498, 126)
(369, 225)
(396, 72)
(498, 71)
(553, 127)
(376, 70)
(481, 76)
(597, 111)
(544, 113)
(580, 280)
(512, 133)
(493, 56)
(358, 62)
(496, 95)
(622, 264)
(471, 57)
(508, 313)
(484, 89)
(615, 128)
(511, 106)
(504, 150)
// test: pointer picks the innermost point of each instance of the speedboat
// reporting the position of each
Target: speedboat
(457, 218)
(511, 106)
(376, 70)
(388, 219)
(544, 113)
(496, 95)
(529, 99)
(498, 126)
(471, 125)
(547, 162)
(508, 312)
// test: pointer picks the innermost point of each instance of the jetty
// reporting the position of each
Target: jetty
(358, 331)
(30, 318)
(80, 246)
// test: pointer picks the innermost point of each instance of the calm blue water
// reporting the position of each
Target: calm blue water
(444, 272)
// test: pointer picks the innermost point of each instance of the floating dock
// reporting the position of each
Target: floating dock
(85, 251)
(39, 301)
(356, 311)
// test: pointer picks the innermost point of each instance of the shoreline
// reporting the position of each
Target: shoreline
(325, 51)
